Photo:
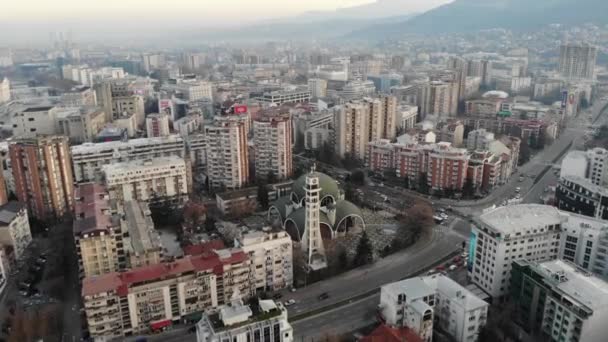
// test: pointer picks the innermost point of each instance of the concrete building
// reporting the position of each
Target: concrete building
(273, 136)
(150, 298)
(152, 61)
(157, 125)
(266, 321)
(407, 116)
(89, 158)
(226, 154)
(438, 98)
(4, 271)
(128, 123)
(14, 229)
(79, 96)
(163, 179)
(451, 131)
(80, 124)
(5, 90)
(411, 302)
(577, 61)
(579, 195)
(189, 89)
(559, 302)
(237, 203)
(124, 106)
(43, 175)
(447, 167)
(318, 87)
(188, 125)
(355, 90)
(479, 139)
(33, 121)
(279, 97)
(592, 165)
(271, 254)
(504, 234)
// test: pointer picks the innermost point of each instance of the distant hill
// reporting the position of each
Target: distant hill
(472, 15)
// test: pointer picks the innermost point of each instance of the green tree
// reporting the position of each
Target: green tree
(358, 177)
(364, 254)
(414, 222)
(350, 194)
(210, 224)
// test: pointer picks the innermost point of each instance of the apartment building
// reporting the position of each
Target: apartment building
(479, 139)
(226, 154)
(577, 61)
(457, 311)
(270, 253)
(78, 97)
(352, 130)
(273, 136)
(438, 98)
(33, 121)
(157, 125)
(318, 87)
(142, 243)
(579, 195)
(506, 234)
(5, 90)
(89, 158)
(14, 228)
(451, 131)
(407, 116)
(556, 301)
(152, 180)
(151, 298)
(266, 321)
(189, 89)
(447, 167)
(43, 175)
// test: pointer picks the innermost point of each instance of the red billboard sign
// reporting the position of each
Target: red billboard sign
(240, 109)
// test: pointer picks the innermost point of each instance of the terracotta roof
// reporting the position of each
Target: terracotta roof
(204, 247)
(121, 281)
(90, 208)
(384, 333)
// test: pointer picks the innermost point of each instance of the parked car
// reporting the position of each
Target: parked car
(323, 296)
(290, 302)
(453, 267)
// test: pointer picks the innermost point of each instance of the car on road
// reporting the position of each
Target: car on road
(453, 267)
(521, 178)
(290, 302)
(323, 296)
(517, 190)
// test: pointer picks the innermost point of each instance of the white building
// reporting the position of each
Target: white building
(411, 302)
(126, 105)
(243, 323)
(33, 121)
(15, 228)
(273, 136)
(574, 164)
(479, 140)
(158, 179)
(288, 95)
(592, 165)
(188, 124)
(561, 301)
(157, 125)
(505, 234)
(408, 116)
(88, 158)
(271, 253)
(190, 90)
(226, 154)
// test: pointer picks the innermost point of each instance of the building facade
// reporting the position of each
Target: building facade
(271, 254)
(14, 228)
(43, 175)
(577, 61)
(157, 125)
(273, 136)
(226, 154)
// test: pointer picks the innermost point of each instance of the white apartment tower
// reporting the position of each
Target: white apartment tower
(226, 154)
(273, 135)
(312, 241)
(577, 61)
(157, 125)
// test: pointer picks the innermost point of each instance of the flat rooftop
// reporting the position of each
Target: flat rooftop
(142, 235)
(126, 145)
(37, 109)
(518, 218)
(143, 164)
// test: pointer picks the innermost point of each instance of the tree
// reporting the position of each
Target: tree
(210, 224)
(350, 194)
(263, 196)
(365, 253)
(358, 177)
(414, 222)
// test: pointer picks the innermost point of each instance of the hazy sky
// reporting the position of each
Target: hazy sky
(53, 10)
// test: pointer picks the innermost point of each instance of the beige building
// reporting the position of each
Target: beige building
(271, 254)
(43, 177)
(318, 87)
(577, 61)
(154, 180)
(273, 135)
(127, 122)
(226, 154)
(123, 106)
(5, 90)
(452, 132)
(15, 228)
(33, 121)
(78, 97)
(438, 98)
(157, 125)
(150, 298)
(80, 124)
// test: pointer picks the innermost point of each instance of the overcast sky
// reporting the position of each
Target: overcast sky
(53, 10)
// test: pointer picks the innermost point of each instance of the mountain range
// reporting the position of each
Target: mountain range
(473, 15)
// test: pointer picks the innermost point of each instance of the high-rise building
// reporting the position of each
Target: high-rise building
(317, 87)
(352, 130)
(438, 98)
(124, 106)
(227, 154)
(382, 118)
(271, 254)
(35, 120)
(504, 234)
(556, 301)
(5, 90)
(239, 322)
(577, 61)
(43, 175)
(273, 135)
(447, 167)
(153, 61)
(157, 125)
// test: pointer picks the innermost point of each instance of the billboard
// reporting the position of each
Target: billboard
(564, 99)
(240, 109)
(472, 246)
